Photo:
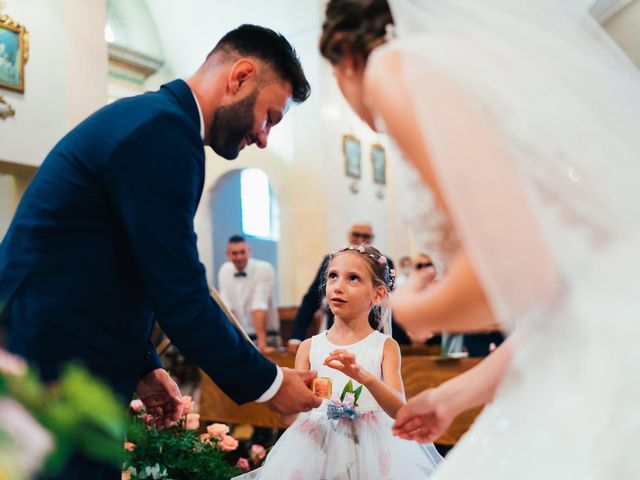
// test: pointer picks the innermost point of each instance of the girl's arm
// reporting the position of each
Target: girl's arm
(389, 392)
(302, 363)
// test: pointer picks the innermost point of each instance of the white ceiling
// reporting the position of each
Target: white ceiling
(189, 29)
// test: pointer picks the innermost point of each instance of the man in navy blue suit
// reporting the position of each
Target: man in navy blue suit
(103, 242)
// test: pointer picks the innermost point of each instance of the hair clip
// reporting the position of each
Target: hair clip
(389, 32)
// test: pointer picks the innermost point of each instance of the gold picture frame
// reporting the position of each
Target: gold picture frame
(14, 53)
(352, 150)
(379, 164)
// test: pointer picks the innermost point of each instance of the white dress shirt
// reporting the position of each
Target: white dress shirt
(245, 294)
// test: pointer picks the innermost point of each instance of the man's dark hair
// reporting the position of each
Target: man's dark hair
(272, 48)
(236, 239)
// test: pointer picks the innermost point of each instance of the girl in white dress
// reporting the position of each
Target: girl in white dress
(349, 437)
(520, 122)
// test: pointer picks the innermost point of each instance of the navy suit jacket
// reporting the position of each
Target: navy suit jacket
(103, 242)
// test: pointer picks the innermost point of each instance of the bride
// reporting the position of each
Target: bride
(521, 117)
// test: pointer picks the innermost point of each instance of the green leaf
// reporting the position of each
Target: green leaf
(348, 388)
(356, 395)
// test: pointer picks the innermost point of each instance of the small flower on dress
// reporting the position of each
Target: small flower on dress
(308, 427)
(243, 464)
(297, 475)
(384, 462)
(349, 399)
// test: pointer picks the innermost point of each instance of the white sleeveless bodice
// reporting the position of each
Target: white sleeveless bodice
(368, 352)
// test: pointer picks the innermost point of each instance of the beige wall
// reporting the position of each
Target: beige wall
(65, 80)
(624, 27)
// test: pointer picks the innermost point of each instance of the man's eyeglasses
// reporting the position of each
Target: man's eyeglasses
(420, 266)
(363, 236)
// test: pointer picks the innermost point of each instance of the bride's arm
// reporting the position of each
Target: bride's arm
(475, 183)
(427, 416)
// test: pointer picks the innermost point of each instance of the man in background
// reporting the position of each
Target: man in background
(247, 286)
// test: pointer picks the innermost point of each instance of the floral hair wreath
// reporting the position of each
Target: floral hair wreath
(380, 259)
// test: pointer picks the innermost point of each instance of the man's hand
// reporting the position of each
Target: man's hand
(161, 397)
(295, 394)
(424, 418)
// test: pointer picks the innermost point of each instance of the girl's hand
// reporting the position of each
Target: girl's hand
(345, 362)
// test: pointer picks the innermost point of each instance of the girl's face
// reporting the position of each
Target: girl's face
(350, 291)
(351, 83)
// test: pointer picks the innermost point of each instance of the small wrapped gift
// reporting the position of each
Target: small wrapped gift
(321, 387)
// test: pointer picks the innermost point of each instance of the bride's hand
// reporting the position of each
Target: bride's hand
(424, 418)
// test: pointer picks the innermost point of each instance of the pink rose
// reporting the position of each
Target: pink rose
(243, 464)
(187, 404)
(228, 444)
(205, 437)
(130, 447)
(193, 421)
(257, 453)
(136, 405)
(217, 430)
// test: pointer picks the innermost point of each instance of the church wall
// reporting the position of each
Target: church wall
(65, 80)
(65, 75)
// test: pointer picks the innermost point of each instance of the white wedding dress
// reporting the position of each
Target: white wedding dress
(565, 104)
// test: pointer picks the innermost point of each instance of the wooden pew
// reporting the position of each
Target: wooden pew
(418, 372)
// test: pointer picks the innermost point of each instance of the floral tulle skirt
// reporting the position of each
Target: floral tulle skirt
(314, 447)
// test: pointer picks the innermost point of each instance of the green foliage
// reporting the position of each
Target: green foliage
(174, 453)
(80, 412)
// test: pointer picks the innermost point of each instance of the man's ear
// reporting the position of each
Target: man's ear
(242, 73)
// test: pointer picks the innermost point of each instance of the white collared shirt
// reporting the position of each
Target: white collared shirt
(245, 294)
(199, 114)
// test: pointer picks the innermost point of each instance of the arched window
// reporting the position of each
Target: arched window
(260, 213)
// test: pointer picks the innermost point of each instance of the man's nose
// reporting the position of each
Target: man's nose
(261, 138)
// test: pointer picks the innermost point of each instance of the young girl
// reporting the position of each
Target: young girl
(350, 438)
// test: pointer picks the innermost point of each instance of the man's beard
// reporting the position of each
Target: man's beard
(231, 123)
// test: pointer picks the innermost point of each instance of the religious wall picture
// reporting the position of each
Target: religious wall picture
(379, 164)
(14, 51)
(352, 150)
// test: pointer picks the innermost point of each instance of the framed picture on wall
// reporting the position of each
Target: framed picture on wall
(352, 155)
(379, 163)
(14, 51)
